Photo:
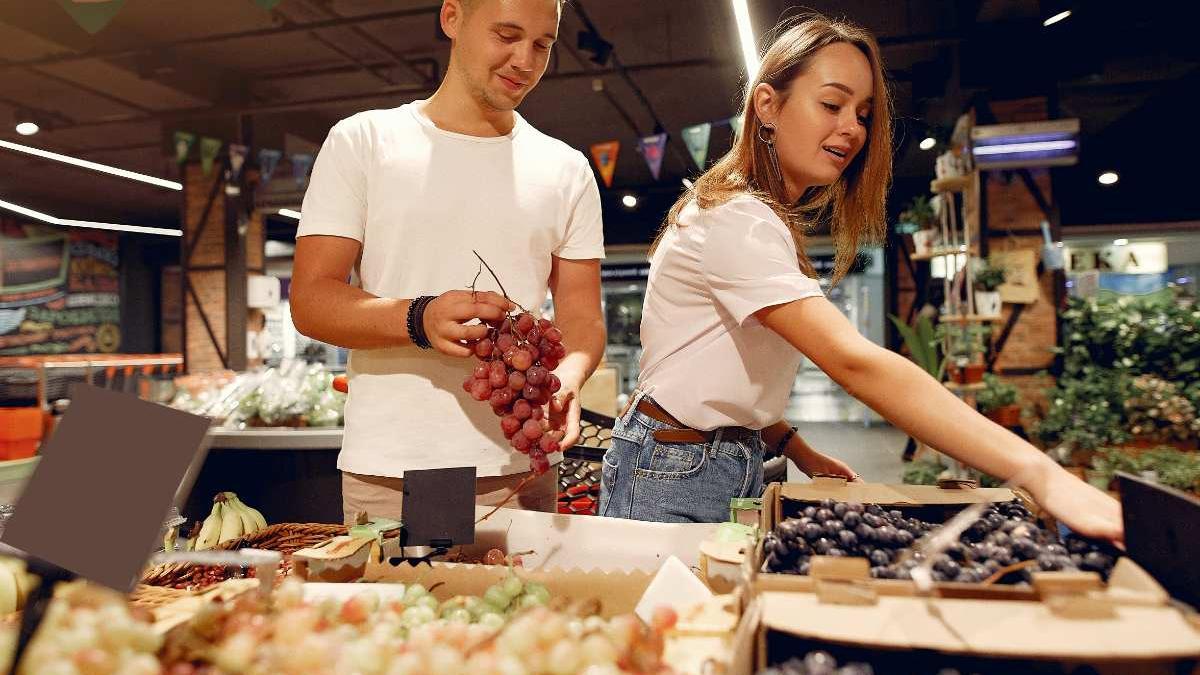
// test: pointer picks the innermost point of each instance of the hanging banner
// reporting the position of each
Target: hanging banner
(237, 160)
(696, 139)
(605, 156)
(267, 4)
(267, 161)
(209, 149)
(652, 150)
(735, 123)
(183, 146)
(92, 15)
(301, 163)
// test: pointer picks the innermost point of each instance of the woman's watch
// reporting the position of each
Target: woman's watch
(782, 444)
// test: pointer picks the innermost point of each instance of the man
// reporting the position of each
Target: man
(402, 197)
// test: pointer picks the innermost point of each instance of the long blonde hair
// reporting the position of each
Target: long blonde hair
(853, 205)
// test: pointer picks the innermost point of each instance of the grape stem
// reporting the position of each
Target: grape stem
(1000, 573)
(513, 493)
(493, 273)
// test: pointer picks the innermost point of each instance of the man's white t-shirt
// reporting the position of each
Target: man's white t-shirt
(706, 359)
(420, 199)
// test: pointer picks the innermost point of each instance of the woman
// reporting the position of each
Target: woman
(733, 304)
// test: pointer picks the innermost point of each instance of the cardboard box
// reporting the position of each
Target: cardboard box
(1124, 628)
(931, 503)
(562, 541)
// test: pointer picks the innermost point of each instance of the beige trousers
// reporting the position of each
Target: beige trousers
(382, 496)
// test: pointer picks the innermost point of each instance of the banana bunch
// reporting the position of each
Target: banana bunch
(230, 518)
(15, 584)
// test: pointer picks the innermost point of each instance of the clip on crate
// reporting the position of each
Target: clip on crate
(439, 512)
(110, 449)
(1160, 535)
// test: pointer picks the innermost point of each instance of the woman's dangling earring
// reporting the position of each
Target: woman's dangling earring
(769, 140)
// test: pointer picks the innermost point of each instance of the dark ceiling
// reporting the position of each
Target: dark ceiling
(229, 69)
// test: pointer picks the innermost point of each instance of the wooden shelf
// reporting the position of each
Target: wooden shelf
(944, 252)
(954, 386)
(971, 318)
(951, 184)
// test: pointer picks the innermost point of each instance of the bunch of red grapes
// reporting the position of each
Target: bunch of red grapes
(514, 376)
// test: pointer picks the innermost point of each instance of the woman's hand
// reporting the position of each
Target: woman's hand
(1073, 502)
(812, 462)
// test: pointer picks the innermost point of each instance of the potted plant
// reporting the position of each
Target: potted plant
(965, 349)
(988, 279)
(999, 401)
(920, 213)
(922, 342)
(1158, 413)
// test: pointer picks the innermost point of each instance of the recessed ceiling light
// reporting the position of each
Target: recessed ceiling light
(1056, 18)
(741, 15)
(928, 143)
(1120, 242)
(630, 201)
(28, 128)
(1108, 178)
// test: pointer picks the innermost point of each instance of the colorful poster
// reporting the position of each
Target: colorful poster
(267, 161)
(183, 146)
(209, 149)
(59, 291)
(301, 163)
(652, 149)
(605, 156)
(92, 15)
(696, 139)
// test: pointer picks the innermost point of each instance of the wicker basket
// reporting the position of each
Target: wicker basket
(287, 538)
(150, 597)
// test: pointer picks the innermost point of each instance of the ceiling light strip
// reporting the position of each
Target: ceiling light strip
(67, 222)
(94, 166)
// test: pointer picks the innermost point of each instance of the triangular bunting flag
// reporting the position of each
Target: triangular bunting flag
(736, 123)
(696, 139)
(301, 163)
(267, 4)
(183, 146)
(605, 156)
(209, 149)
(237, 160)
(651, 148)
(267, 161)
(92, 15)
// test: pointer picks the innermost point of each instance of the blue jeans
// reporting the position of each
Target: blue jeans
(644, 479)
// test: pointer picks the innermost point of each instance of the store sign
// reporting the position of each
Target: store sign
(1134, 258)
(625, 272)
(59, 291)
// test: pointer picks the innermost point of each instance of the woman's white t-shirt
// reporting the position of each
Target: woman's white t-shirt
(420, 199)
(706, 359)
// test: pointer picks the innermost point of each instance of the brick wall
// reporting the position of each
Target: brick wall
(209, 284)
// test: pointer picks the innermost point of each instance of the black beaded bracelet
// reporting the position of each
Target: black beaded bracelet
(416, 322)
(783, 441)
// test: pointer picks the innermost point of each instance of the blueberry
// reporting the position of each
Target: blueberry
(866, 533)
(991, 567)
(880, 572)
(1096, 562)
(847, 539)
(812, 531)
(873, 520)
(947, 567)
(1024, 548)
(852, 519)
(832, 527)
(822, 546)
(1064, 562)
(1048, 563)
(836, 553)
(1003, 557)
(803, 568)
(810, 512)
(886, 535)
(904, 539)
(999, 539)
(789, 529)
(1075, 545)
(839, 509)
(896, 515)
(1056, 549)
(874, 509)
(879, 557)
(826, 504)
(854, 507)
(823, 515)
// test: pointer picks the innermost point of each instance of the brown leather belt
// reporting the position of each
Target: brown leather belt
(682, 433)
